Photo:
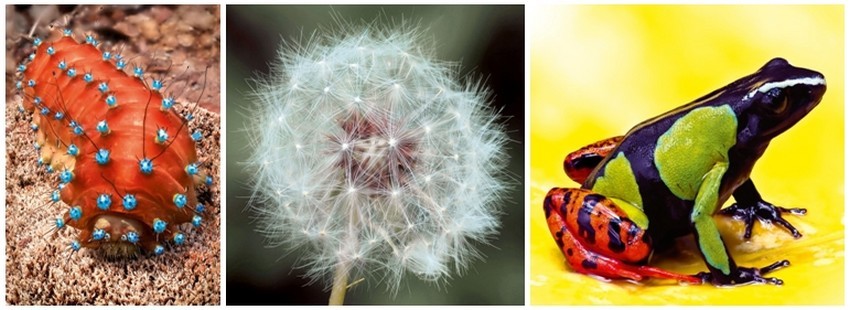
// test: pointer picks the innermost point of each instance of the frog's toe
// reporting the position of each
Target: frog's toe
(757, 274)
(795, 211)
(744, 275)
(774, 281)
(764, 212)
(775, 266)
(784, 223)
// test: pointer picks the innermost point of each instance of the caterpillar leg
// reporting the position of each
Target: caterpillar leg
(598, 238)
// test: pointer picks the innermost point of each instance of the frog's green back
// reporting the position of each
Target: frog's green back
(693, 145)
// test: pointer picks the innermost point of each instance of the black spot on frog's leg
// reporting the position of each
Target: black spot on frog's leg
(559, 239)
(614, 242)
(586, 161)
(564, 208)
(547, 205)
(585, 227)
(569, 252)
(564, 203)
(589, 263)
(633, 231)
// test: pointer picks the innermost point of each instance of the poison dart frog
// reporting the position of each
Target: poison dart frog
(669, 175)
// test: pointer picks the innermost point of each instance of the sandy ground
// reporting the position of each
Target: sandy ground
(40, 267)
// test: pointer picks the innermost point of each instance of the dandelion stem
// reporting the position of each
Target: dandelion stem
(340, 286)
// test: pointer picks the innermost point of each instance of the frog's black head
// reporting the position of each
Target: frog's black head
(778, 96)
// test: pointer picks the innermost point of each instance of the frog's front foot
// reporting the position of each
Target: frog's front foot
(744, 276)
(765, 212)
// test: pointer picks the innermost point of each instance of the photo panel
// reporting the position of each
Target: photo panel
(113, 155)
(375, 155)
(646, 120)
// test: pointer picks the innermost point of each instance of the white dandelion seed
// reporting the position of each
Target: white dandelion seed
(378, 183)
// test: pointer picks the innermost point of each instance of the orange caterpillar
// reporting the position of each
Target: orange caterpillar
(126, 161)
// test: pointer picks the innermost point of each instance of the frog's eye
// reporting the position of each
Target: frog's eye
(775, 101)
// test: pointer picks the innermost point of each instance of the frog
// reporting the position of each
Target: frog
(668, 177)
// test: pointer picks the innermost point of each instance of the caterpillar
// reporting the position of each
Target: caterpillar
(125, 159)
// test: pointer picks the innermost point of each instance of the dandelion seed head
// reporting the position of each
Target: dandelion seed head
(379, 179)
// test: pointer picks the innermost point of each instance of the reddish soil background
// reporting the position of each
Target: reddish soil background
(181, 44)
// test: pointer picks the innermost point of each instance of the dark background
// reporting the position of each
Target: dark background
(488, 41)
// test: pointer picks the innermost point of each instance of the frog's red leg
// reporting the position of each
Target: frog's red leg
(598, 238)
(579, 164)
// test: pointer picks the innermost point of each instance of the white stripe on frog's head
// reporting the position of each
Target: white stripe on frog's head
(812, 80)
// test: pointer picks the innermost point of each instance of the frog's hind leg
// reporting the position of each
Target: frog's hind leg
(597, 237)
(579, 164)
